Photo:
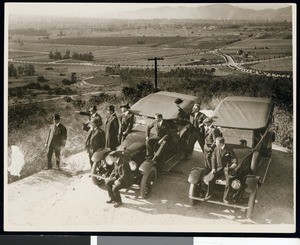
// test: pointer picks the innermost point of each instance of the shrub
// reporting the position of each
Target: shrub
(42, 79)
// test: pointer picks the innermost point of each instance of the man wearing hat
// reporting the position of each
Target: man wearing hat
(211, 133)
(120, 177)
(160, 136)
(197, 128)
(111, 129)
(92, 113)
(56, 139)
(223, 160)
(95, 139)
(127, 120)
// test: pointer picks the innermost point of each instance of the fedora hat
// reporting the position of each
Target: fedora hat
(93, 108)
(125, 106)
(111, 108)
(56, 116)
(208, 120)
(178, 101)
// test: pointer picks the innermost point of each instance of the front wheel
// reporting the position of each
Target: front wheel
(147, 183)
(97, 173)
(251, 203)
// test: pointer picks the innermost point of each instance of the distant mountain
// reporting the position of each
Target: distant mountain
(212, 12)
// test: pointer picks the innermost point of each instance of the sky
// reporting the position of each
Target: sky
(103, 10)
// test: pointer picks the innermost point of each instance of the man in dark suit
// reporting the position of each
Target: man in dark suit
(92, 113)
(56, 139)
(223, 159)
(121, 177)
(196, 129)
(127, 120)
(95, 139)
(111, 129)
(162, 131)
(211, 133)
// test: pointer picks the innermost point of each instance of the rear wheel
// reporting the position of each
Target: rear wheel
(251, 203)
(147, 183)
(194, 192)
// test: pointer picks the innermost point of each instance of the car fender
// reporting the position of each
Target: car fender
(195, 175)
(251, 183)
(146, 165)
(100, 154)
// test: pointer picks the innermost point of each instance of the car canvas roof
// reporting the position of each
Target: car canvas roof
(163, 102)
(243, 112)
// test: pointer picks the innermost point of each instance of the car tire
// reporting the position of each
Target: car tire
(194, 192)
(95, 171)
(147, 183)
(251, 203)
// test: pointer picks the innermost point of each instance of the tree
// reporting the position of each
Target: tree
(66, 82)
(12, 72)
(51, 55)
(67, 55)
(20, 70)
(29, 70)
(73, 77)
(42, 79)
(57, 55)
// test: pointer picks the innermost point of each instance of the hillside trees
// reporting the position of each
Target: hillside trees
(76, 56)
(27, 70)
(12, 71)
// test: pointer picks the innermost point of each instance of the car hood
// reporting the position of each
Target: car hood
(133, 142)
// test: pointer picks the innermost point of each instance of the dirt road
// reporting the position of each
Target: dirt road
(67, 200)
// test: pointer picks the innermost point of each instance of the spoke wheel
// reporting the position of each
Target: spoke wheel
(97, 173)
(147, 183)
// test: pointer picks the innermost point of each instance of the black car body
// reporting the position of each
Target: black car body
(134, 146)
(245, 125)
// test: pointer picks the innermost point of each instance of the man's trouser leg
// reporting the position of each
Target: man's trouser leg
(207, 160)
(201, 141)
(227, 186)
(57, 155)
(212, 183)
(116, 191)
(49, 157)
(149, 146)
(191, 144)
(109, 185)
(90, 158)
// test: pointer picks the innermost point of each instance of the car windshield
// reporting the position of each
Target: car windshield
(142, 122)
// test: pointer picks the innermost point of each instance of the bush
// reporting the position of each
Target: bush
(42, 79)
(66, 82)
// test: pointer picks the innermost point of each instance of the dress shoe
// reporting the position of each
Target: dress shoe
(47, 168)
(225, 201)
(118, 204)
(110, 201)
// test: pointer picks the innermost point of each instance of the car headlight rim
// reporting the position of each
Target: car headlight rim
(236, 184)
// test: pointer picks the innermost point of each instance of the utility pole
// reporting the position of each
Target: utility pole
(155, 69)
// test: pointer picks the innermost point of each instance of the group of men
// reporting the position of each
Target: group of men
(218, 156)
(115, 131)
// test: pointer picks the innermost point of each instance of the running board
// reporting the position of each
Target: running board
(219, 203)
(167, 166)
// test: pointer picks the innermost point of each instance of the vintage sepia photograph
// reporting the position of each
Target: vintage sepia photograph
(150, 117)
